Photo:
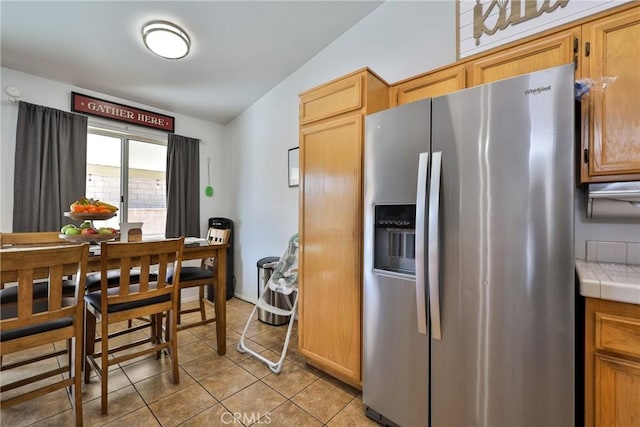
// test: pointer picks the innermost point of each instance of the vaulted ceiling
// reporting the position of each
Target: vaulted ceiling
(240, 49)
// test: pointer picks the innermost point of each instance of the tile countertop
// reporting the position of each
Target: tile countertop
(610, 281)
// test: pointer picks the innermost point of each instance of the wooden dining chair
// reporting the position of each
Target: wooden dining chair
(33, 321)
(201, 277)
(33, 239)
(128, 301)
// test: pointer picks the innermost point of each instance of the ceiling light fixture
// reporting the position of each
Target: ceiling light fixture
(166, 39)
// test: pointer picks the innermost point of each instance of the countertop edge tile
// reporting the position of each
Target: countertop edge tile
(594, 281)
(620, 292)
(590, 288)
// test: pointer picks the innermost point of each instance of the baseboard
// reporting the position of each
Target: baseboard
(245, 299)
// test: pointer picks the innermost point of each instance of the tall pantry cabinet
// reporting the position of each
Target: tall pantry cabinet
(330, 229)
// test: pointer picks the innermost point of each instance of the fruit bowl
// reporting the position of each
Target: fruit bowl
(91, 238)
(81, 216)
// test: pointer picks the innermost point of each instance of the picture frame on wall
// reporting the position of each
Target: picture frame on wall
(293, 167)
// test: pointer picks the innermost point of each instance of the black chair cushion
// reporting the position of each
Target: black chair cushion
(93, 298)
(8, 311)
(190, 273)
(113, 279)
(40, 291)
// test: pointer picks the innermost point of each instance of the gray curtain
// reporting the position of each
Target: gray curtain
(50, 166)
(183, 182)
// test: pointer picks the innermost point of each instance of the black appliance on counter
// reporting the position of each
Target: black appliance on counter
(224, 223)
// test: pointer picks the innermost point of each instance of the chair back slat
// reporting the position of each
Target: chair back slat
(145, 269)
(55, 292)
(161, 274)
(25, 293)
(125, 276)
(145, 272)
(165, 263)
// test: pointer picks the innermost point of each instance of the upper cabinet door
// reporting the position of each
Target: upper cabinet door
(546, 52)
(611, 140)
(429, 85)
(332, 99)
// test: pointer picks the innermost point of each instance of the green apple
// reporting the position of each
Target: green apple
(72, 231)
(64, 229)
(86, 224)
(104, 230)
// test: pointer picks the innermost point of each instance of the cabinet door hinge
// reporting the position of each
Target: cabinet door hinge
(576, 45)
(587, 49)
(586, 155)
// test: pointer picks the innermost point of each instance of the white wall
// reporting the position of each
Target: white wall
(54, 94)
(397, 40)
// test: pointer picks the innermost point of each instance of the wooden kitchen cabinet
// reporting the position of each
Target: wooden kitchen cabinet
(332, 99)
(428, 85)
(549, 51)
(612, 363)
(545, 52)
(330, 229)
(611, 134)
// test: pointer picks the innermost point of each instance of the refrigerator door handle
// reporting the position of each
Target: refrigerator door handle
(434, 248)
(421, 205)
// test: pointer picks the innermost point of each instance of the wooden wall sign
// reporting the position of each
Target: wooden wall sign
(112, 110)
(485, 24)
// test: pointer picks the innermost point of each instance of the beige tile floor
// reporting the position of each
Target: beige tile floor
(234, 389)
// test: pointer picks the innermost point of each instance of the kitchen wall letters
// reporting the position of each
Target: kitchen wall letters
(486, 24)
(516, 15)
(112, 110)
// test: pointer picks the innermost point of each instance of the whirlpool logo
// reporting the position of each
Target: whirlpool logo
(537, 90)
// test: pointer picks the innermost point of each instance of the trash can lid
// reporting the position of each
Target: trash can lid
(267, 260)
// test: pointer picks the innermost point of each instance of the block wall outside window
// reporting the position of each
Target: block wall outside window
(147, 196)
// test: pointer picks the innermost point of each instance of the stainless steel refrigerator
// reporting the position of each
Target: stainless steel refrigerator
(469, 260)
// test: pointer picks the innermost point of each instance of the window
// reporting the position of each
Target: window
(118, 161)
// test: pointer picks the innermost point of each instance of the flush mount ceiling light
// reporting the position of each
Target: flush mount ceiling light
(166, 39)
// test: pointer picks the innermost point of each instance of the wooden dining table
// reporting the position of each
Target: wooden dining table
(193, 250)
